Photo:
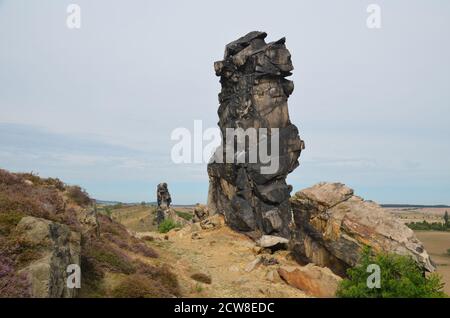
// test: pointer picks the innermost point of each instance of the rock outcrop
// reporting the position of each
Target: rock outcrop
(253, 194)
(200, 213)
(332, 226)
(163, 195)
(57, 247)
(314, 280)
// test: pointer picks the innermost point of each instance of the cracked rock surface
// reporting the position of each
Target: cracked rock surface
(254, 95)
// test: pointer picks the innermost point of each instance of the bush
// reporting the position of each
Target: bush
(78, 195)
(448, 252)
(109, 258)
(144, 250)
(8, 221)
(162, 275)
(167, 225)
(141, 286)
(400, 278)
(12, 285)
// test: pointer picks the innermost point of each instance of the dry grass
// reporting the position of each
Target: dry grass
(144, 286)
(436, 244)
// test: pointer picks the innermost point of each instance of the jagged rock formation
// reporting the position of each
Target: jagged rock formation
(163, 195)
(254, 95)
(332, 225)
(59, 247)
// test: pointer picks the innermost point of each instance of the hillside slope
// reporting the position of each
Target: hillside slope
(45, 226)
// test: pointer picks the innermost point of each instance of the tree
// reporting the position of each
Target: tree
(446, 220)
(400, 277)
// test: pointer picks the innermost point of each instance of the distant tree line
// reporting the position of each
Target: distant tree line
(431, 226)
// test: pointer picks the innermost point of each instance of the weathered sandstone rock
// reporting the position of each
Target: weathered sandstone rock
(314, 280)
(212, 222)
(270, 240)
(200, 213)
(332, 225)
(254, 95)
(58, 247)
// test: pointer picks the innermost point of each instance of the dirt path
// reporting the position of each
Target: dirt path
(225, 257)
(220, 253)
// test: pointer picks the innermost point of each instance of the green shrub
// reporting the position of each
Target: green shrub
(185, 215)
(167, 225)
(400, 278)
(448, 252)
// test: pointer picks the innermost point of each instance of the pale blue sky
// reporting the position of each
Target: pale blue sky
(96, 106)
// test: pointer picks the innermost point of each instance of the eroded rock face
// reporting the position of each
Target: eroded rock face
(332, 225)
(254, 95)
(57, 247)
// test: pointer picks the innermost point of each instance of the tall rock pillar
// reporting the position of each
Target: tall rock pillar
(253, 194)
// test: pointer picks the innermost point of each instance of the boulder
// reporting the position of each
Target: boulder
(87, 216)
(254, 95)
(271, 240)
(212, 222)
(200, 213)
(332, 226)
(314, 280)
(58, 247)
